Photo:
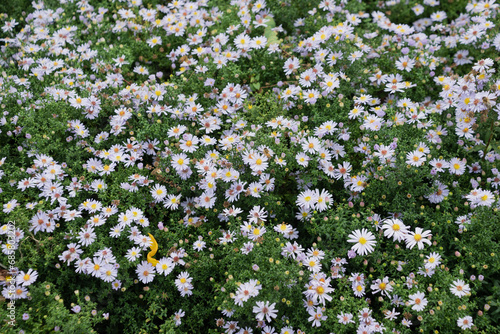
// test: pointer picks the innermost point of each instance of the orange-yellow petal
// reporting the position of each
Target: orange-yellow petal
(154, 249)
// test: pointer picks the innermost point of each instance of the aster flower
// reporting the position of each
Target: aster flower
(432, 260)
(405, 63)
(459, 288)
(316, 316)
(108, 273)
(199, 245)
(155, 40)
(313, 264)
(465, 322)
(165, 266)
(395, 228)
(290, 65)
(391, 315)
(146, 272)
(87, 236)
(27, 278)
(172, 201)
(358, 289)
(307, 199)
(417, 301)
(178, 317)
(10, 205)
(484, 198)
(439, 195)
(363, 240)
(183, 280)
(246, 291)
(382, 286)
(256, 232)
(265, 311)
(319, 291)
(345, 318)
(415, 158)
(457, 166)
(419, 237)
(158, 192)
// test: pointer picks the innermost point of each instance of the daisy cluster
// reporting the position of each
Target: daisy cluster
(229, 128)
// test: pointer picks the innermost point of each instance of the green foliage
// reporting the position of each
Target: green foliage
(252, 152)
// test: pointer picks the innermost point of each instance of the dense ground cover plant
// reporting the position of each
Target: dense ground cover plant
(250, 166)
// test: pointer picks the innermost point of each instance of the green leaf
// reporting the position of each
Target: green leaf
(256, 85)
(271, 35)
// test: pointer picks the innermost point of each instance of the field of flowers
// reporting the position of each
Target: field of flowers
(242, 166)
